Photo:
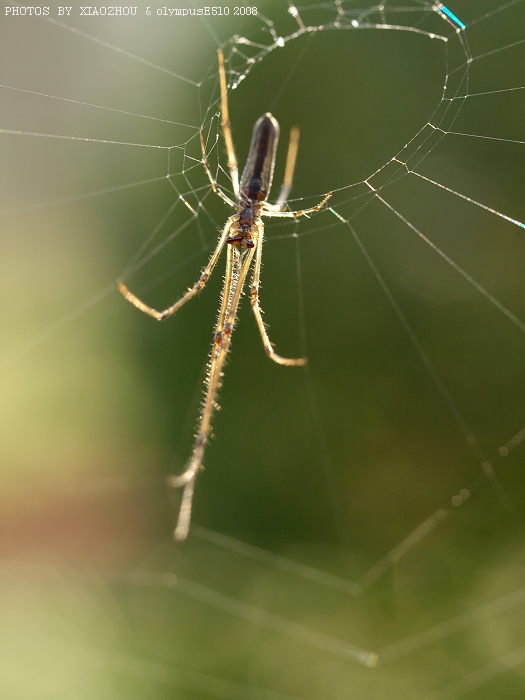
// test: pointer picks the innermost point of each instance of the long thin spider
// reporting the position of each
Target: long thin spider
(243, 233)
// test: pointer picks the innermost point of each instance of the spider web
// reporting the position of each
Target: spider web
(359, 526)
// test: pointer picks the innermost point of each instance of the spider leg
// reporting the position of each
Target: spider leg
(205, 275)
(214, 183)
(291, 158)
(198, 450)
(226, 127)
(231, 295)
(183, 522)
(296, 214)
(256, 308)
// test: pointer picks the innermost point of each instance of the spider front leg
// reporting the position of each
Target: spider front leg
(290, 362)
(205, 275)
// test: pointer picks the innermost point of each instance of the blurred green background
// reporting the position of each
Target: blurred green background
(332, 466)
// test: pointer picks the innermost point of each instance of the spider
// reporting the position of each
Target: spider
(243, 235)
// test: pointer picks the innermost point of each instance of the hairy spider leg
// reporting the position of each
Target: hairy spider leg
(256, 308)
(213, 181)
(295, 214)
(226, 127)
(238, 265)
(201, 282)
(291, 159)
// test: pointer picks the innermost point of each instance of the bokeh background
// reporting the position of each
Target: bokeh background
(332, 466)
